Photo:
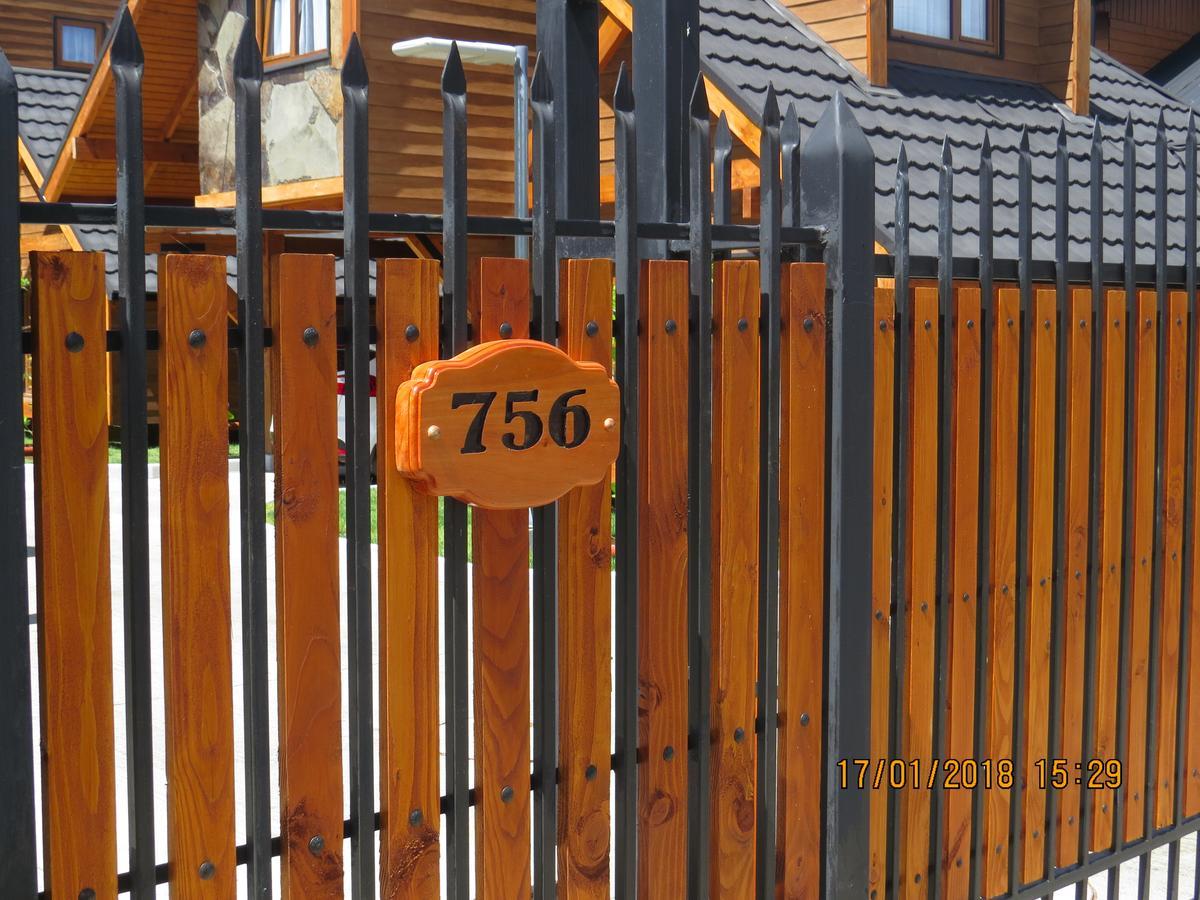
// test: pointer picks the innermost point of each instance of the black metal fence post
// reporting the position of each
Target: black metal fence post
(18, 863)
(247, 72)
(838, 176)
(127, 65)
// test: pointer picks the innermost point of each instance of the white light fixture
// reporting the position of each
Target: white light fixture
(479, 53)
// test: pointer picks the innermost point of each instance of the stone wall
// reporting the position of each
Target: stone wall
(301, 105)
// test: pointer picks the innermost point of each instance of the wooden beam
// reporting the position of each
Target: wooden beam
(612, 37)
(877, 41)
(90, 149)
(740, 124)
(1079, 79)
(315, 190)
(621, 10)
(30, 164)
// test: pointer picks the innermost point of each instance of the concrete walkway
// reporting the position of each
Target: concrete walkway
(1098, 885)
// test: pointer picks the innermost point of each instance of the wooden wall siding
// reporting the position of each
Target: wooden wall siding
(1142, 38)
(1063, 26)
(28, 29)
(842, 23)
(167, 29)
(406, 106)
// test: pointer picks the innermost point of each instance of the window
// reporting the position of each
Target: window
(77, 43)
(969, 22)
(294, 28)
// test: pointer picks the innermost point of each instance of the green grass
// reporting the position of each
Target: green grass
(152, 454)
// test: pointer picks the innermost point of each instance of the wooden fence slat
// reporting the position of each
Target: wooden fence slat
(921, 588)
(1191, 801)
(197, 648)
(881, 637)
(501, 628)
(1111, 569)
(1042, 331)
(409, 764)
(585, 616)
(1006, 355)
(1145, 391)
(734, 577)
(962, 603)
(1074, 571)
(307, 595)
(74, 602)
(802, 579)
(1169, 556)
(662, 575)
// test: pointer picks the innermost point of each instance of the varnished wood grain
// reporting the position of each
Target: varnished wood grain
(585, 617)
(1111, 346)
(732, 787)
(662, 575)
(74, 599)
(1191, 795)
(409, 763)
(802, 578)
(1042, 332)
(197, 649)
(921, 587)
(881, 560)
(501, 628)
(1006, 361)
(439, 445)
(307, 597)
(962, 604)
(1170, 555)
(1145, 392)
(1074, 570)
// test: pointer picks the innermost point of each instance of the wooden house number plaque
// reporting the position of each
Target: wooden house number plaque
(507, 424)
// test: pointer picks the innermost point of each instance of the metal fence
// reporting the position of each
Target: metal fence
(817, 207)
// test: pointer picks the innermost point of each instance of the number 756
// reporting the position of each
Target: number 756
(560, 412)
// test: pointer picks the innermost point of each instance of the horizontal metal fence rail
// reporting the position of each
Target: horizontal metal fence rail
(817, 204)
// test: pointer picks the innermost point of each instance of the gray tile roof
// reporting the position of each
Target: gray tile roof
(746, 45)
(46, 103)
(1179, 73)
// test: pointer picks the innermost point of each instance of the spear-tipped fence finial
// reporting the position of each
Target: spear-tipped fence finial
(354, 68)
(126, 48)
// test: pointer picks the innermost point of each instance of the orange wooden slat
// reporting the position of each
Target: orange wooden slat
(734, 577)
(1074, 571)
(965, 348)
(409, 764)
(921, 587)
(1191, 797)
(662, 575)
(1145, 392)
(881, 559)
(1035, 705)
(802, 578)
(501, 628)
(1174, 414)
(307, 596)
(585, 616)
(74, 602)
(1006, 362)
(1111, 569)
(197, 649)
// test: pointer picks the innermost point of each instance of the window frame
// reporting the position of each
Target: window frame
(957, 40)
(292, 56)
(97, 26)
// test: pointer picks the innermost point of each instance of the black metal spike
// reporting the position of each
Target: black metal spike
(540, 90)
(454, 79)
(126, 47)
(789, 141)
(354, 68)
(623, 95)
(722, 172)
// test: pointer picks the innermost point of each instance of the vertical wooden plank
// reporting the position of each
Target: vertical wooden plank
(585, 616)
(881, 638)
(307, 597)
(961, 606)
(1174, 413)
(802, 579)
(409, 764)
(921, 588)
(662, 577)
(734, 576)
(995, 775)
(1035, 709)
(197, 649)
(501, 629)
(1145, 396)
(74, 602)
(1111, 570)
(1074, 570)
(1191, 801)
